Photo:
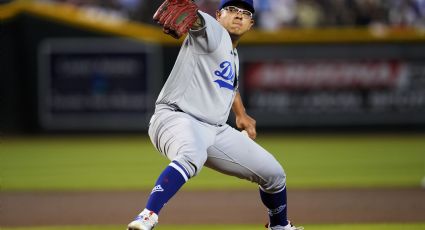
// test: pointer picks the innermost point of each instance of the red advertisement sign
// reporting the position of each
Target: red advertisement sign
(325, 75)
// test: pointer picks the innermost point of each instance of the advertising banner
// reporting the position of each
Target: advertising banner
(97, 84)
(312, 92)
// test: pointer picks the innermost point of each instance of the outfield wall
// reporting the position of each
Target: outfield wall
(69, 69)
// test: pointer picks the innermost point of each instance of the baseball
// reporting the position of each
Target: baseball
(244, 132)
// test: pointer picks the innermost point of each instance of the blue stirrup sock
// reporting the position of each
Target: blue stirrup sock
(277, 208)
(169, 182)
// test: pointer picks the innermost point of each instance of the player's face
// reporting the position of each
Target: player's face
(235, 19)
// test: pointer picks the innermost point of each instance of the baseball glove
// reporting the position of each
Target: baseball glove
(176, 16)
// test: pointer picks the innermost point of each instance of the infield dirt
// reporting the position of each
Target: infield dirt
(217, 207)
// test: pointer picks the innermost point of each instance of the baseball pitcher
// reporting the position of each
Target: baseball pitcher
(189, 124)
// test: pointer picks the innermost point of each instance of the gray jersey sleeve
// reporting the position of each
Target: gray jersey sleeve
(207, 38)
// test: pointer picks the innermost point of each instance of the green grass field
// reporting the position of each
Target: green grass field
(125, 163)
(413, 226)
(122, 163)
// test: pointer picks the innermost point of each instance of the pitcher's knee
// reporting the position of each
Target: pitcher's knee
(191, 166)
(275, 182)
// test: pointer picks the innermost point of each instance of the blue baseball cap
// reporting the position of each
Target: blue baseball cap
(248, 3)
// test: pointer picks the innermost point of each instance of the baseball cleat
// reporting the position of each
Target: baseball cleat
(287, 227)
(146, 220)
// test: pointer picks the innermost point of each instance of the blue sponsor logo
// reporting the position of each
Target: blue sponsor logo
(227, 74)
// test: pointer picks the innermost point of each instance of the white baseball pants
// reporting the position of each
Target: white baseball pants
(193, 143)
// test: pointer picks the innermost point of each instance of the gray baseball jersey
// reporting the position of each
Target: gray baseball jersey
(203, 82)
(189, 121)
